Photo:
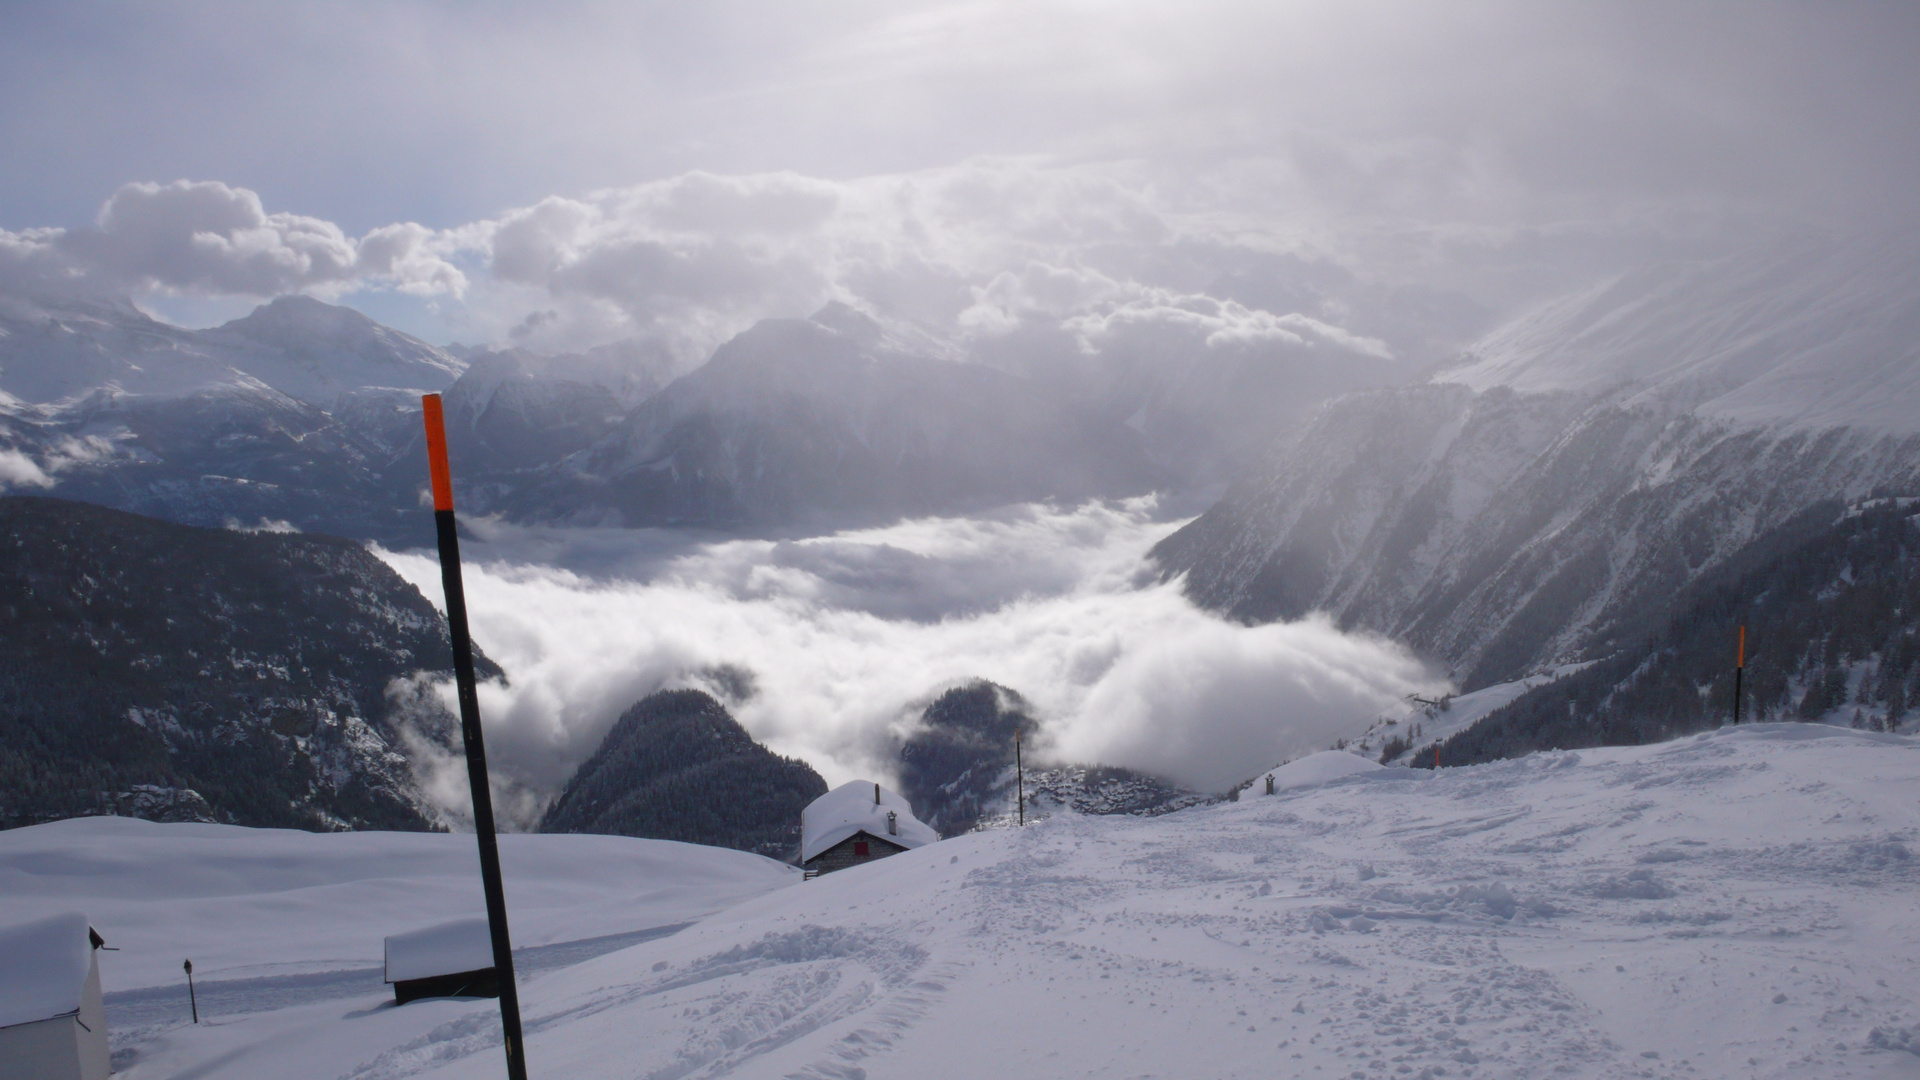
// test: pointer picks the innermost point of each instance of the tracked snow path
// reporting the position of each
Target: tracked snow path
(1737, 904)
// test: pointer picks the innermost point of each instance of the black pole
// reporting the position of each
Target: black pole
(1739, 669)
(193, 1002)
(470, 734)
(1020, 777)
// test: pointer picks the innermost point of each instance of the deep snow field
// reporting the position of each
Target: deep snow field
(1738, 904)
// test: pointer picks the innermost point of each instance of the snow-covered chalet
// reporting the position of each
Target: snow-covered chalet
(452, 959)
(52, 1023)
(855, 823)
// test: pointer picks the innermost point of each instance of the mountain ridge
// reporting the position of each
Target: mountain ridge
(1504, 530)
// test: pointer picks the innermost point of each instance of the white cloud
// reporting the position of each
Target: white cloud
(848, 636)
(211, 239)
(17, 470)
(1218, 323)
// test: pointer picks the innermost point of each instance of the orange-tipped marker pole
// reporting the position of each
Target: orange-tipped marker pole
(442, 477)
(1739, 669)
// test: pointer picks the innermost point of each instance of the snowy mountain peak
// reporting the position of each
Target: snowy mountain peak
(61, 349)
(317, 351)
(301, 316)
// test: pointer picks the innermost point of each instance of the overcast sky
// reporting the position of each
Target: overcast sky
(582, 172)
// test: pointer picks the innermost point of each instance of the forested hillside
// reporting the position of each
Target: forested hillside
(1831, 603)
(167, 671)
(677, 766)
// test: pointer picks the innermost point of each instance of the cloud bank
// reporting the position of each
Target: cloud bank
(844, 638)
(978, 169)
(208, 238)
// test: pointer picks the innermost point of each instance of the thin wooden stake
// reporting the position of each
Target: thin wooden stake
(470, 733)
(1020, 777)
(193, 1000)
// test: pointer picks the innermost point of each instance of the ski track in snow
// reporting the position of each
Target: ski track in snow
(1733, 904)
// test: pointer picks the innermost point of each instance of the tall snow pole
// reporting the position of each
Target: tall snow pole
(193, 1000)
(1020, 777)
(470, 734)
(1739, 669)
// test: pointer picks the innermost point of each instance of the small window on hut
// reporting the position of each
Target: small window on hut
(860, 848)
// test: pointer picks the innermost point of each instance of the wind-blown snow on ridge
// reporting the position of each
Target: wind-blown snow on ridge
(1810, 336)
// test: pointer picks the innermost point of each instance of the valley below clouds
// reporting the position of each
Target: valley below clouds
(828, 647)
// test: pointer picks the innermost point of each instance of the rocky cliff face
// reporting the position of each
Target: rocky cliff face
(1534, 502)
(177, 672)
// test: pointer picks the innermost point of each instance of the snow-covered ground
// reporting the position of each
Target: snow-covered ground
(249, 903)
(1734, 904)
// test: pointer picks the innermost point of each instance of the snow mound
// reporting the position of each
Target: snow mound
(43, 968)
(449, 948)
(859, 806)
(1323, 767)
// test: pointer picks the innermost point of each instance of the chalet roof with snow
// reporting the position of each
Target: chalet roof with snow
(43, 967)
(852, 808)
(449, 948)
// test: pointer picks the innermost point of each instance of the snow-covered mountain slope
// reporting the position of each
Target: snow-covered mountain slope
(513, 413)
(241, 454)
(1714, 907)
(834, 416)
(285, 415)
(316, 351)
(1407, 733)
(1522, 509)
(54, 350)
(1806, 335)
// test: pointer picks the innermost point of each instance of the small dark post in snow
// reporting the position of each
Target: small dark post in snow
(193, 1002)
(1020, 778)
(442, 478)
(1269, 783)
(876, 794)
(1739, 669)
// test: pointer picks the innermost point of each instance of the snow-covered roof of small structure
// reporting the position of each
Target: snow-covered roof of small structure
(850, 808)
(1323, 767)
(43, 968)
(449, 948)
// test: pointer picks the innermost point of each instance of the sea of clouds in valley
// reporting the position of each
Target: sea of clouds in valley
(828, 647)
